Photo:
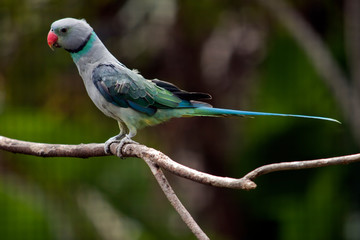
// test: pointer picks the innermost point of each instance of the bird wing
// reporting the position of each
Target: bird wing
(129, 89)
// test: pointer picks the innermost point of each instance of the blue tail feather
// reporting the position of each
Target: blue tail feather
(208, 111)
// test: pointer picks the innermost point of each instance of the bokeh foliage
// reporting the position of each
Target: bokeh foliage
(234, 50)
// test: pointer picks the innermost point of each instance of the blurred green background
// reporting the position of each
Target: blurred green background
(242, 53)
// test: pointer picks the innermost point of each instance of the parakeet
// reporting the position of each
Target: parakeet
(124, 94)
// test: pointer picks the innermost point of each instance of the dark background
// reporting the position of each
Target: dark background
(247, 57)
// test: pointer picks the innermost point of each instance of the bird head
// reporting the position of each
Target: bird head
(68, 33)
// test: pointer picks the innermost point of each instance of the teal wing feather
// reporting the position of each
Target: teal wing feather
(129, 89)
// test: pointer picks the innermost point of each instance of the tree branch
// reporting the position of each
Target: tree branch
(157, 160)
(297, 165)
(174, 200)
(129, 150)
(164, 162)
(96, 150)
(146, 153)
(52, 150)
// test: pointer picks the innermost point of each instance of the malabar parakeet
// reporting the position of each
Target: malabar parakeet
(124, 94)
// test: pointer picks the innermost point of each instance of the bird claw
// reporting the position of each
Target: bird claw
(121, 140)
(115, 139)
(125, 140)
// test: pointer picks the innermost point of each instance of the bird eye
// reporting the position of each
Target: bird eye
(63, 30)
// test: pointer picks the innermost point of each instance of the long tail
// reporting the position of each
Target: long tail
(220, 112)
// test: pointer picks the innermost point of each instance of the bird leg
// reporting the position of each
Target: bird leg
(122, 138)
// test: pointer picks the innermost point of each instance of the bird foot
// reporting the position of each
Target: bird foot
(115, 139)
(121, 140)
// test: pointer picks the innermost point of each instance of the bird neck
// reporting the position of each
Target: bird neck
(84, 48)
(91, 52)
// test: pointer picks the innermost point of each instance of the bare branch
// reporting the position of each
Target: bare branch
(51, 150)
(163, 161)
(143, 152)
(297, 165)
(129, 150)
(174, 200)
(95, 150)
(157, 160)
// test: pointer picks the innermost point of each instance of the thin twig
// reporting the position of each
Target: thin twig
(297, 165)
(174, 200)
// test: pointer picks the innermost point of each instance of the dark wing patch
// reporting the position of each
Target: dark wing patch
(181, 93)
(129, 89)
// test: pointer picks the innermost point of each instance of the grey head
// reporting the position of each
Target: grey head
(69, 33)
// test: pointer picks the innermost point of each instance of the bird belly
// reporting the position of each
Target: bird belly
(138, 120)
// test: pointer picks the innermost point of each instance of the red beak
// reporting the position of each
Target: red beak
(52, 40)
